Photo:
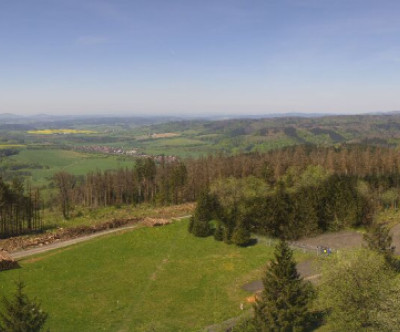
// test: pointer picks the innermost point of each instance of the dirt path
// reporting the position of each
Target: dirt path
(343, 240)
(334, 240)
(61, 244)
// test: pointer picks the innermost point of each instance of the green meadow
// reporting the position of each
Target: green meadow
(43, 163)
(150, 278)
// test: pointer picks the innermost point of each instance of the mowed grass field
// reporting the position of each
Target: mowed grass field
(161, 279)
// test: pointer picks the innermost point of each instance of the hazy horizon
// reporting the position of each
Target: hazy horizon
(218, 57)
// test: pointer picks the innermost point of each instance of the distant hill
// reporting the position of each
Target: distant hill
(9, 116)
(194, 136)
(260, 134)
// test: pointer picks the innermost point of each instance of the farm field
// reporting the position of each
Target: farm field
(11, 146)
(60, 131)
(135, 281)
(43, 163)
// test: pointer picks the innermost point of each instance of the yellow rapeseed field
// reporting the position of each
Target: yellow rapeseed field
(60, 131)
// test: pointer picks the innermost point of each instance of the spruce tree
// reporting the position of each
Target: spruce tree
(200, 224)
(241, 235)
(282, 212)
(201, 227)
(219, 232)
(284, 303)
(21, 314)
(227, 236)
(191, 223)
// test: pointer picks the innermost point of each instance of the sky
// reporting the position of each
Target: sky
(199, 56)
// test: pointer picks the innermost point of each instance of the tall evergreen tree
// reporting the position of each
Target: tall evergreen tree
(200, 223)
(282, 212)
(284, 303)
(219, 232)
(241, 234)
(21, 314)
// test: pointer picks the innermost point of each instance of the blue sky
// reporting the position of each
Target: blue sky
(194, 57)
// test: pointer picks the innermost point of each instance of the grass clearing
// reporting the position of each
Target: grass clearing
(162, 278)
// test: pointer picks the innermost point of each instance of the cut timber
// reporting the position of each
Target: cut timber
(153, 222)
(6, 261)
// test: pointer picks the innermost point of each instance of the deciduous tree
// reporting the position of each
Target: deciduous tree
(378, 238)
(361, 292)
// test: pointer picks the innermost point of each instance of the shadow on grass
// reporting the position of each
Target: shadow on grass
(4, 266)
(252, 242)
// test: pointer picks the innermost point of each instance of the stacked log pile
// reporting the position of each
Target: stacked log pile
(16, 243)
(6, 261)
(153, 222)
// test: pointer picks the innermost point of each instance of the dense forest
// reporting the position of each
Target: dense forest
(288, 192)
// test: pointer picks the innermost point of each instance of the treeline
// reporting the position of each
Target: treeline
(179, 181)
(286, 193)
(163, 183)
(19, 213)
(357, 160)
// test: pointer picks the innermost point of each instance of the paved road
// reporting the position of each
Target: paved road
(61, 244)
